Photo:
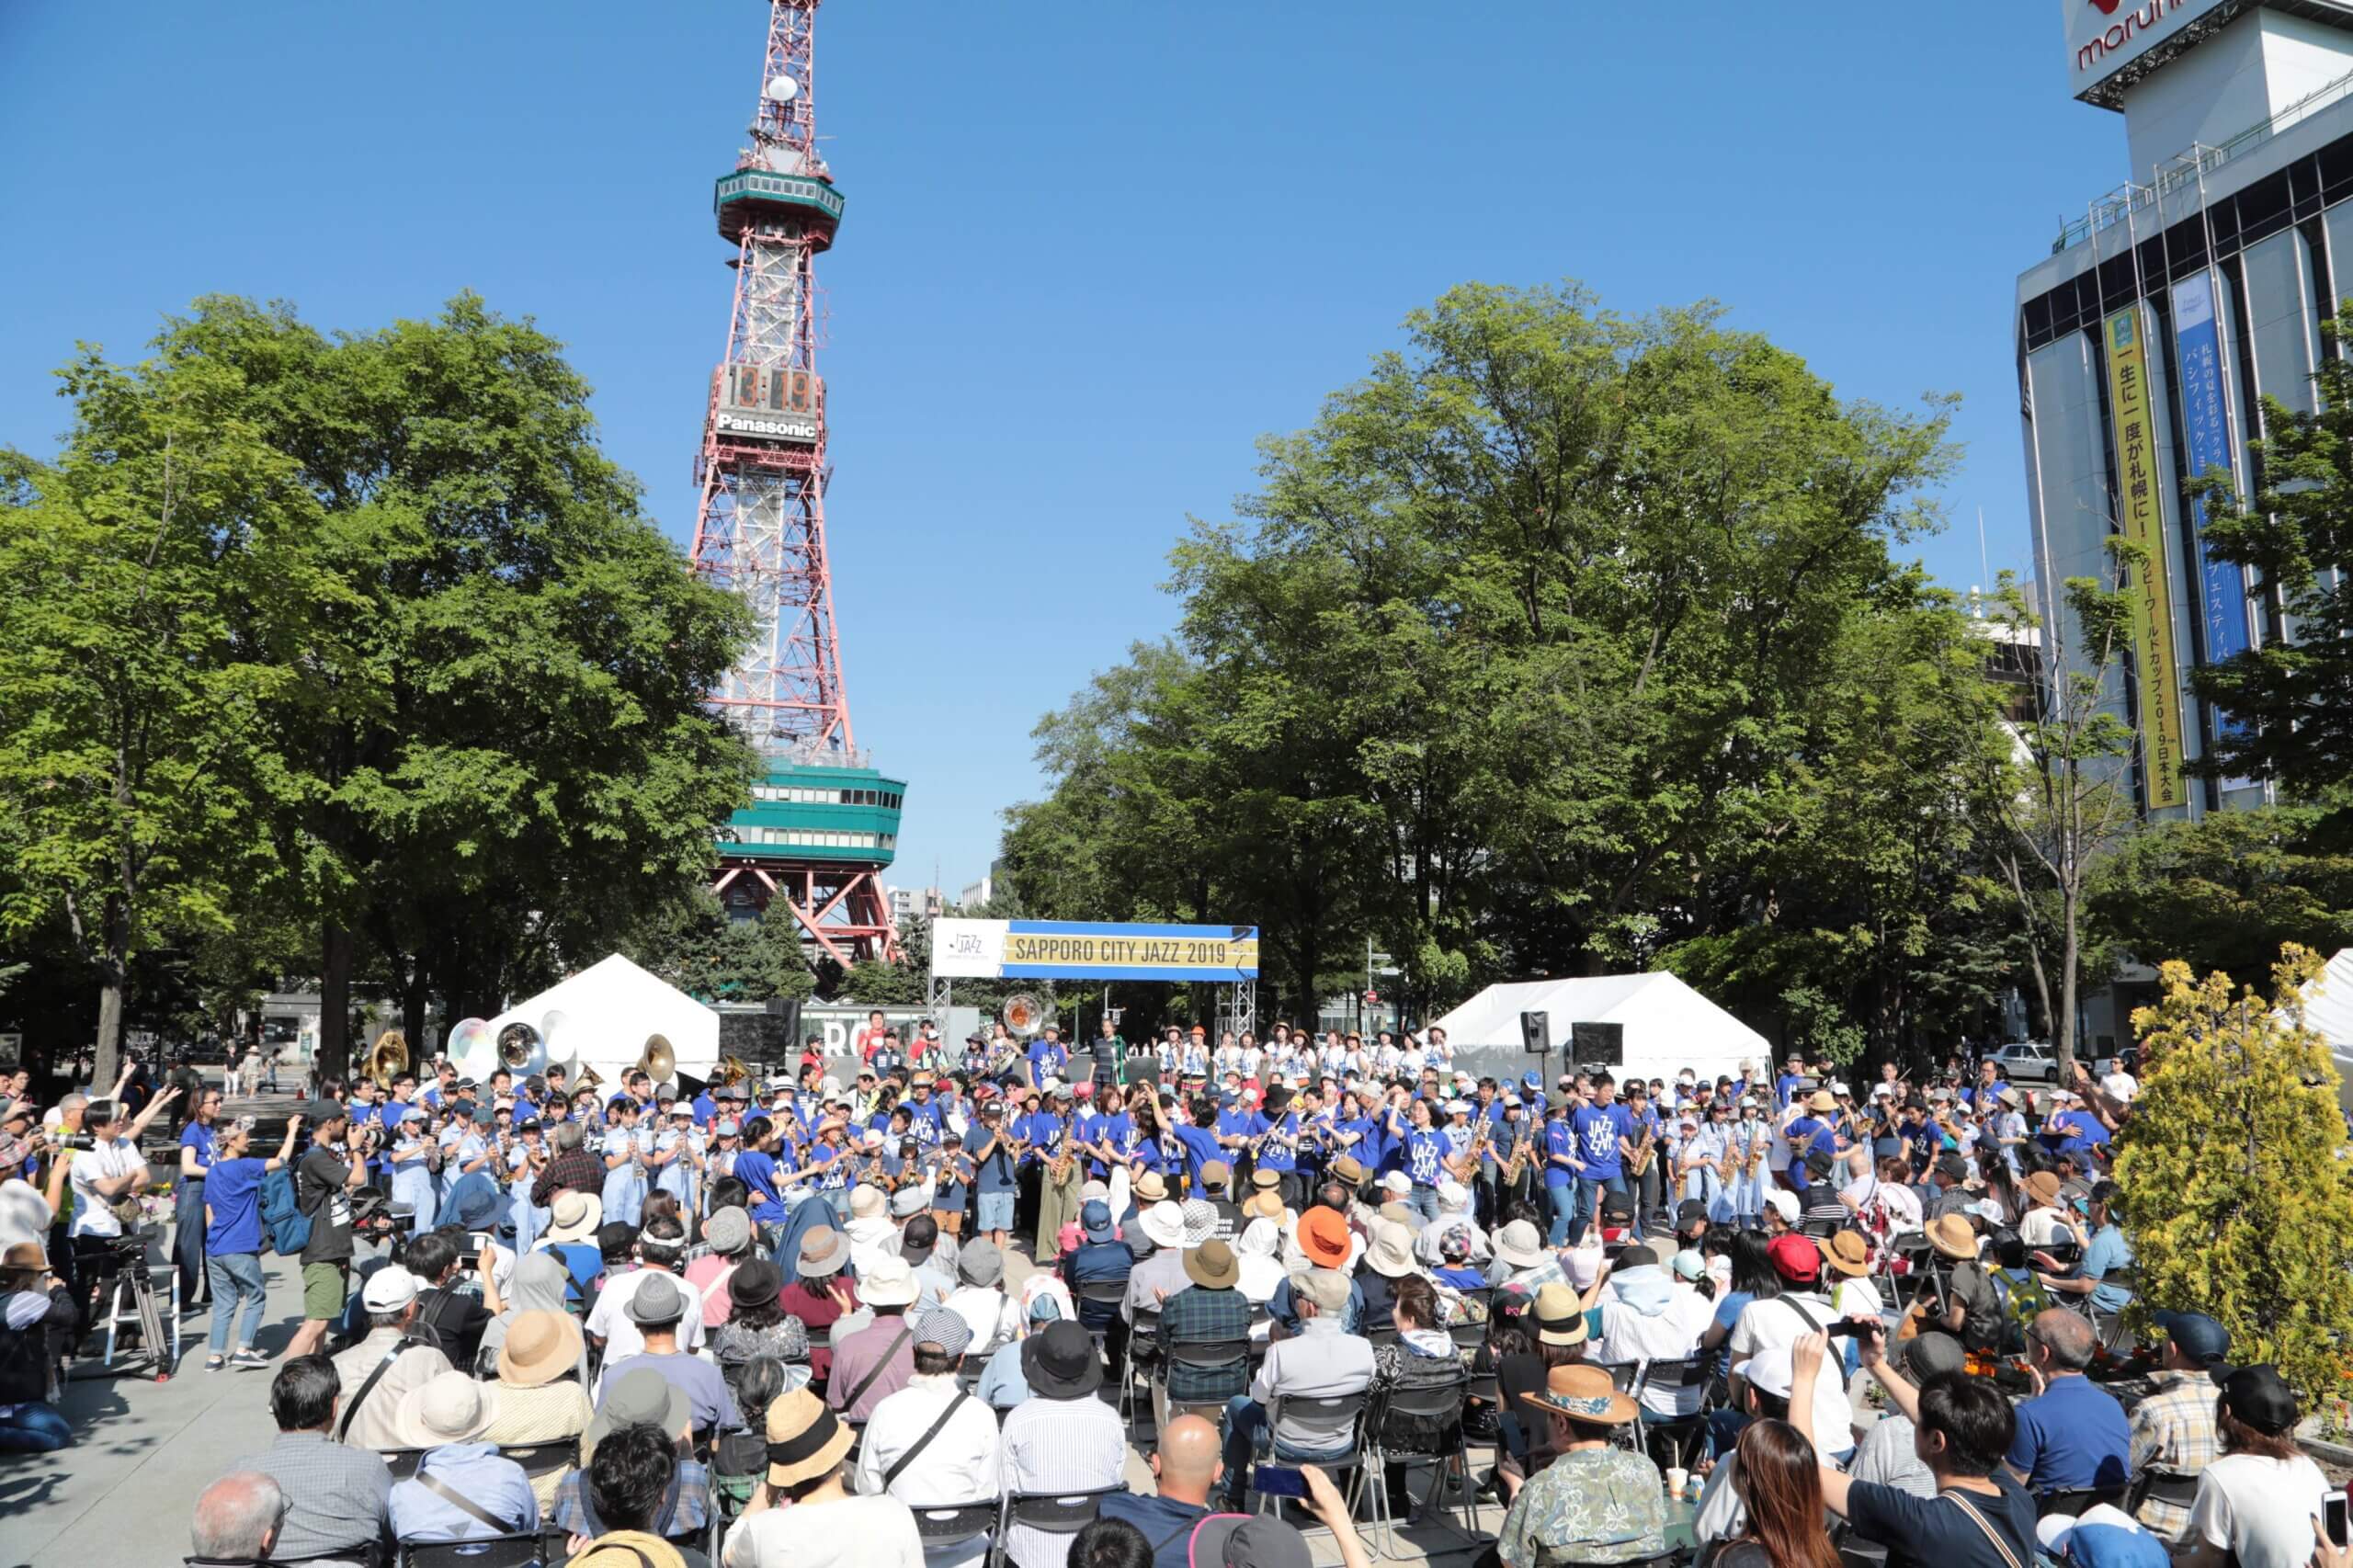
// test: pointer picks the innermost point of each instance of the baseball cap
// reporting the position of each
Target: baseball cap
(2261, 1397)
(2102, 1537)
(2201, 1338)
(1795, 1258)
(1770, 1371)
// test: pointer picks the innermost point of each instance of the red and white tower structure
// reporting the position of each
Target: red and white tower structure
(823, 824)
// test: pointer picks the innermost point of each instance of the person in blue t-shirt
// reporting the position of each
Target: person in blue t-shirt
(1557, 1147)
(232, 1203)
(755, 1168)
(1808, 1133)
(1047, 1056)
(1602, 1129)
(996, 1180)
(1198, 1140)
(951, 1186)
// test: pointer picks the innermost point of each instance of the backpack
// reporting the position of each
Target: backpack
(285, 1229)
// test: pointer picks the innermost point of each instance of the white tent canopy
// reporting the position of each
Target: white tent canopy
(608, 1010)
(2328, 1009)
(1669, 1026)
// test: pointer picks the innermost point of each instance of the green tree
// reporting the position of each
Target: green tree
(2227, 891)
(2237, 1194)
(693, 944)
(2056, 783)
(1537, 651)
(2291, 696)
(158, 573)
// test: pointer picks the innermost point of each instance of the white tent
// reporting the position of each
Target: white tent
(608, 1010)
(1669, 1026)
(2329, 1008)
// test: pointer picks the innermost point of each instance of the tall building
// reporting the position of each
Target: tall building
(2147, 335)
(823, 823)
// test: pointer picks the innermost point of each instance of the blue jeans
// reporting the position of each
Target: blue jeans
(1423, 1200)
(34, 1429)
(1248, 1428)
(234, 1277)
(1589, 1191)
(1561, 1201)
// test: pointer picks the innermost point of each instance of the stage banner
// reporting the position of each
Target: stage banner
(2142, 516)
(1072, 949)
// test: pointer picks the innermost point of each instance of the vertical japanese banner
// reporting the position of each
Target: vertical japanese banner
(2206, 442)
(2140, 511)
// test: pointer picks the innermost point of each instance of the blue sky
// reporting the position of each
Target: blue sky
(1091, 251)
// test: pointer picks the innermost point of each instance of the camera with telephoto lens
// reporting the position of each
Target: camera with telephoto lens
(84, 1141)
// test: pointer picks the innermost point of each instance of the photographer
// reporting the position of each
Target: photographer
(37, 1321)
(105, 1173)
(449, 1318)
(323, 1181)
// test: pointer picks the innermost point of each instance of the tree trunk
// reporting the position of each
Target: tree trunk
(334, 1001)
(2063, 1028)
(114, 986)
(413, 998)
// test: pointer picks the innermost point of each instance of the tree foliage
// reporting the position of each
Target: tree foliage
(409, 665)
(2291, 696)
(693, 944)
(1563, 640)
(2227, 891)
(2239, 1198)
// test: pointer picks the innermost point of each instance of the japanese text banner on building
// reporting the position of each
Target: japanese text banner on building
(2206, 444)
(2140, 511)
(1070, 949)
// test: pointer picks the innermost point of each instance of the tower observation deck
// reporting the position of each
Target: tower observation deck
(823, 822)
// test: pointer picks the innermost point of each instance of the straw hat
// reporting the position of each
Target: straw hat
(824, 1251)
(1823, 1099)
(1560, 1317)
(867, 1202)
(805, 1440)
(2043, 1188)
(1845, 1253)
(1582, 1392)
(1263, 1205)
(1265, 1180)
(1953, 1236)
(541, 1348)
(1149, 1188)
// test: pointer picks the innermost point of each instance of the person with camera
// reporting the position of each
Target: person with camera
(323, 1182)
(450, 1318)
(105, 1172)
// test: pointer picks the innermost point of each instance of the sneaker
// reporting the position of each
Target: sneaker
(248, 1360)
(213, 1363)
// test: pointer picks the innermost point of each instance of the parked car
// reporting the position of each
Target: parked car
(2026, 1062)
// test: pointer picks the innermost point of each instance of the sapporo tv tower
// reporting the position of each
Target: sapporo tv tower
(823, 824)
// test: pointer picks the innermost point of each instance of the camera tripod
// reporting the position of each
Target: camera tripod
(132, 1300)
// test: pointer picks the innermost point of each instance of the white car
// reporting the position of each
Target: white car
(2027, 1060)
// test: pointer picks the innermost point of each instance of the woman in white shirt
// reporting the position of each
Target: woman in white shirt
(2256, 1504)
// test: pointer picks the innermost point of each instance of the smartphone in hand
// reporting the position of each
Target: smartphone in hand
(1281, 1481)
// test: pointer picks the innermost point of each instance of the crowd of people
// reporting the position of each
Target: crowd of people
(910, 1283)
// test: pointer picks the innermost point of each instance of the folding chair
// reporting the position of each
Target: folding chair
(941, 1524)
(1208, 1356)
(531, 1548)
(969, 1371)
(1381, 1334)
(1138, 1372)
(1056, 1513)
(403, 1462)
(1683, 1433)
(1626, 1377)
(1102, 1293)
(1467, 1335)
(1433, 1401)
(1331, 1412)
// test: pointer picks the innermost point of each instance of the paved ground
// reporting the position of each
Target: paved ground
(143, 1450)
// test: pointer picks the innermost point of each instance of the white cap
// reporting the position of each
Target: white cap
(391, 1288)
(1785, 1204)
(873, 1137)
(1770, 1370)
(1840, 1089)
(2120, 1086)
(1397, 1181)
(1882, 1091)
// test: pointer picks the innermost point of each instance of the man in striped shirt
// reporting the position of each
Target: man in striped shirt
(1062, 1439)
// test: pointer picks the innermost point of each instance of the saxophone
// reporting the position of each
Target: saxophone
(1518, 1162)
(1058, 1169)
(1758, 1150)
(1640, 1160)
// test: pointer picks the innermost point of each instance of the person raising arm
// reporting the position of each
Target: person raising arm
(1962, 1428)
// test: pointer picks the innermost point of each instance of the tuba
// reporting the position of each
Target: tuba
(521, 1051)
(1023, 1013)
(388, 1057)
(731, 1070)
(658, 1061)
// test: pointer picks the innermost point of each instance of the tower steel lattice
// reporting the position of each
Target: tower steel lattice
(823, 825)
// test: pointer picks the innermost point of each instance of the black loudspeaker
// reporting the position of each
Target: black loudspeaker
(1535, 1033)
(787, 1008)
(1597, 1045)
